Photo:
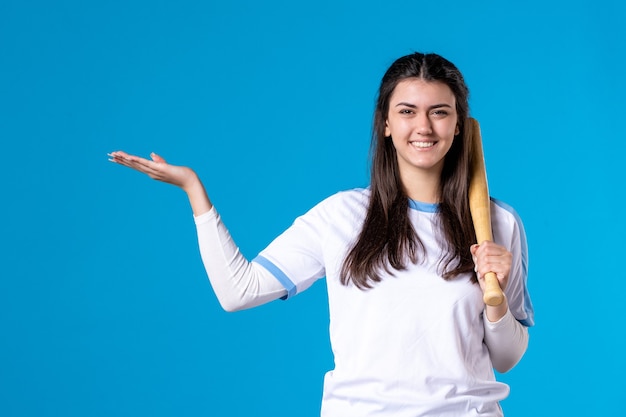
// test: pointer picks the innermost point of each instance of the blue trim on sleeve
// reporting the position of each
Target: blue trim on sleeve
(528, 307)
(279, 275)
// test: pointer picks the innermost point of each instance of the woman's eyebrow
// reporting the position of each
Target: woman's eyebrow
(436, 106)
(413, 106)
(402, 103)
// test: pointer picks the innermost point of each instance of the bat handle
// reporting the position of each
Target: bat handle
(493, 295)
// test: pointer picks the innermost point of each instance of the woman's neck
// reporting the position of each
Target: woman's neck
(424, 187)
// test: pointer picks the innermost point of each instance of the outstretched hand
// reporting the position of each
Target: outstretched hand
(160, 170)
(157, 168)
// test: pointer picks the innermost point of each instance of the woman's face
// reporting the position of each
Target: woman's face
(422, 123)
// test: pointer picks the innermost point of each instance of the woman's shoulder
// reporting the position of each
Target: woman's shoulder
(504, 212)
(351, 202)
(506, 221)
(347, 198)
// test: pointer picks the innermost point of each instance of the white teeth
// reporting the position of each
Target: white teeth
(422, 144)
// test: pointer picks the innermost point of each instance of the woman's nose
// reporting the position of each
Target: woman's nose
(423, 125)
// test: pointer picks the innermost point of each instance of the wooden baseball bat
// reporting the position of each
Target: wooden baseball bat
(480, 208)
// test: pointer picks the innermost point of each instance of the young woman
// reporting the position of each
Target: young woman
(410, 333)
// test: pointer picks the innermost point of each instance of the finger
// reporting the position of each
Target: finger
(120, 154)
(498, 269)
(120, 157)
(115, 156)
(492, 254)
(139, 164)
(157, 158)
(489, 260)
(501, 270)
(142, 162)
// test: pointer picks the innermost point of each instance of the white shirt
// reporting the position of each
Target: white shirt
(415, 344)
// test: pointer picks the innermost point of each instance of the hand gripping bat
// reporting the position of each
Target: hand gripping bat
(480, 208)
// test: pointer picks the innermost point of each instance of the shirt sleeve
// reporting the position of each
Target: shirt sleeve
(238, 283)
(296, 257)
(507, 341)
(508, 231)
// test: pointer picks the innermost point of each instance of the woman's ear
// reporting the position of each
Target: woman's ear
(457, 130)
(387, 130)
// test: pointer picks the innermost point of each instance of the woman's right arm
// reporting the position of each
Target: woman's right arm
(238, 283)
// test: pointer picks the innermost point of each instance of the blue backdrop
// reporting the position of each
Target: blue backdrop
(105, 309)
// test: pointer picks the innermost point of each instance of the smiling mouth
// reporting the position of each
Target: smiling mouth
(422, 144)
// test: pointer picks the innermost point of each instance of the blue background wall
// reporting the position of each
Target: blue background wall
(104, 305)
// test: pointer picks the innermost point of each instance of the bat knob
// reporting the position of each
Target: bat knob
(493, 295)
(493, 299)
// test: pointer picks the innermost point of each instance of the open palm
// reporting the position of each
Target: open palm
(157, 168)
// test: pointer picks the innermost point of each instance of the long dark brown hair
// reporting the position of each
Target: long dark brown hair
(388, 241)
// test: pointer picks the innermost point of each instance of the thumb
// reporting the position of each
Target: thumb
(157, 158)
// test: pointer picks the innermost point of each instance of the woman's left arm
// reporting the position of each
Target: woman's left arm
(506, 339)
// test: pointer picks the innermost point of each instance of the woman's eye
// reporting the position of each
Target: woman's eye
(406, 111)
(440, 113)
